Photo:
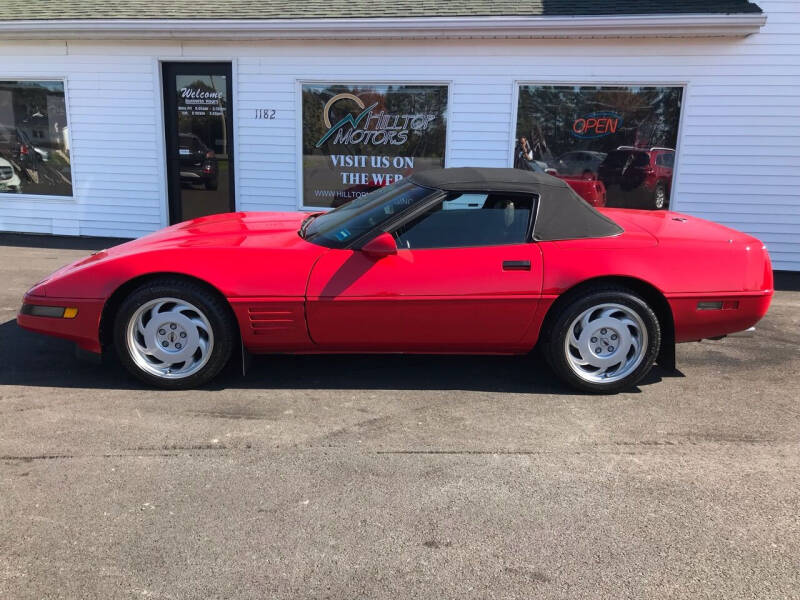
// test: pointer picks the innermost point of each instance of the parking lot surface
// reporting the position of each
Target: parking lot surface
(396, 477)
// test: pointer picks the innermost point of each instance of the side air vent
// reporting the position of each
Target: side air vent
(264, 321)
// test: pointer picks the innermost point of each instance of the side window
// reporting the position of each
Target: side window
(666, 160)
(468, 220)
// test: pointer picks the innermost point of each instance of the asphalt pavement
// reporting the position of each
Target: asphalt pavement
(396, 477)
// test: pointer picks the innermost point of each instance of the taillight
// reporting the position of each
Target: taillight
(23, 149)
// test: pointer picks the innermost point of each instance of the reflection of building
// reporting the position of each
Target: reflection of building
(6, 108)
(737, 138)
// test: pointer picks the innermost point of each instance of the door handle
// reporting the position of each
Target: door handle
(516, 265)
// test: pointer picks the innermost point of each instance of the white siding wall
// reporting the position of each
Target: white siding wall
(738, 157)
(113, 104)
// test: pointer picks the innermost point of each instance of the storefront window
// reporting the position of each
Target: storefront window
(34, 138)
(625, 137)
(357, 138)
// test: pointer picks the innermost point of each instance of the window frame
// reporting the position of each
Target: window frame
(72, 198)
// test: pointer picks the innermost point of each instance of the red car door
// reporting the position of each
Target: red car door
(462, 280)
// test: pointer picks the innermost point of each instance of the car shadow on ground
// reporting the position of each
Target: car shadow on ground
(29, 359)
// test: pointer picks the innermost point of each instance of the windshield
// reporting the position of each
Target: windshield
(339, 227)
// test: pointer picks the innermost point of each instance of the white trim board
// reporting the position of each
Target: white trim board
(683, 25)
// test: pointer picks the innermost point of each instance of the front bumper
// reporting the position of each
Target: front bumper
(83, 329)
(197, 175)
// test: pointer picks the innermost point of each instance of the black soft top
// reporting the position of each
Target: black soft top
(561, 214)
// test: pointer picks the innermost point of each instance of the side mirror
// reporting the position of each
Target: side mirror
(380, 246)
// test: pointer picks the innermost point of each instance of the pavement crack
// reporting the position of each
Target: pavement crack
(185, 447)
(166, 450)
(37, 457)
(475, 452)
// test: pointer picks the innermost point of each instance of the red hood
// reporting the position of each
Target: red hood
(214, 244)
(267, 229)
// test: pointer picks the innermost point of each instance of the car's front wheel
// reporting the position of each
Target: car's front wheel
(174, 334)
(603, 342)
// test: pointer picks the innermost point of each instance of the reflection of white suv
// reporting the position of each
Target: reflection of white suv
(9, 181)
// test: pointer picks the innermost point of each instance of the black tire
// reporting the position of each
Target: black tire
(214, 308)
(660, 200)
(555, 335)
(211, 185)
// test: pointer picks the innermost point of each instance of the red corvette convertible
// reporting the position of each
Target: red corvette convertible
(479, 261)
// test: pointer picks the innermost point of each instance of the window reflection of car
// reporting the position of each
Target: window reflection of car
(43, 155)
(579, 162)
(16, 145)
(586, 186)
(38, 136)
(638, 177)
(198, 164)
(9, 180)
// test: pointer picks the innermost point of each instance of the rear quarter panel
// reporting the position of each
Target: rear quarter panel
(699, 262)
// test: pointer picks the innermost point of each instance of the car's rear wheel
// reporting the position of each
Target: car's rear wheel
(660, 196)
(174, 334)
(603, 342)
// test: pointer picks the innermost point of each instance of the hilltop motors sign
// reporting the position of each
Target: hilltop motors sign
(359, 138)
(371, 127)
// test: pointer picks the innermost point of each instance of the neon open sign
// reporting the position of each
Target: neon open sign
(596, 125)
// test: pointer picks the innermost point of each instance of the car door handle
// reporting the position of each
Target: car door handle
(516, 265)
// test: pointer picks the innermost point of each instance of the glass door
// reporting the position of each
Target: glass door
(199, 137)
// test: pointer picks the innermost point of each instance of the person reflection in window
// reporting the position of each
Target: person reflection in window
(523, 153)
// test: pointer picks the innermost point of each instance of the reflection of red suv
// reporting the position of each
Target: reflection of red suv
(587, 187)
(637, 177)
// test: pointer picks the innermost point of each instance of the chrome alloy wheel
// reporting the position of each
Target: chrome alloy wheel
(606, 343)
(169, 338)
(661, 197)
